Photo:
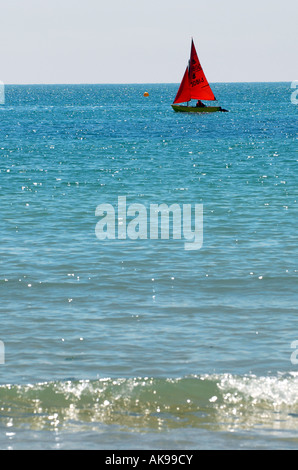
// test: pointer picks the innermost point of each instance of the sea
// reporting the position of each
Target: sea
(114, 338)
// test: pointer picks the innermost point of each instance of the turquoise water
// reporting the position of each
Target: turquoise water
(125, 344)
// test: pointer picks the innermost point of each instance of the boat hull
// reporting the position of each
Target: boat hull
(193, 109)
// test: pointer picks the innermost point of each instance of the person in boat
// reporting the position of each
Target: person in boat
(199, 104)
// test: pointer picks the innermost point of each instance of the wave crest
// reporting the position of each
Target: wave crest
(217, 402)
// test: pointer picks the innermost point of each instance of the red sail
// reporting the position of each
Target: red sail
(183, 93)
(200, 88)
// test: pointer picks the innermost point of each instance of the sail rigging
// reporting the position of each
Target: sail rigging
(194, 84)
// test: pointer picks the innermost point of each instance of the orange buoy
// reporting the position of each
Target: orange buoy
(146, 93)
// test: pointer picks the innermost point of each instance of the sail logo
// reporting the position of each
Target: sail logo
(159, 221)
(294, 94)
(2, 93)
(195, 82)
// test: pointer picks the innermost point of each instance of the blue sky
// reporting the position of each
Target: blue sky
(136, 41)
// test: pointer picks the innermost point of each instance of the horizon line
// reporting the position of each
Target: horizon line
(136, 83)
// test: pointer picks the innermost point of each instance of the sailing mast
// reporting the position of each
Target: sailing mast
(194, 84)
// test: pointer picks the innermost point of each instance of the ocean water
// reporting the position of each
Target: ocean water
(142, 344)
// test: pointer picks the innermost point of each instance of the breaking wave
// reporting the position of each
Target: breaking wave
(215, 402)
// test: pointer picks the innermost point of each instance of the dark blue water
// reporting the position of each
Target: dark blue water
(123, 343)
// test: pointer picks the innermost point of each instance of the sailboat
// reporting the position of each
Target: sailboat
(194, 85)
